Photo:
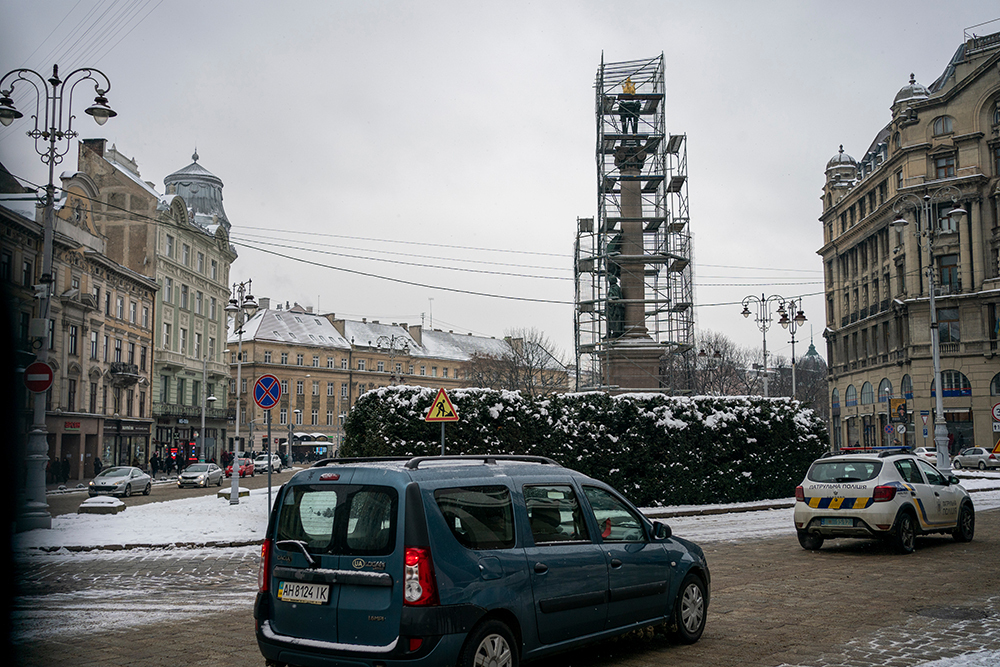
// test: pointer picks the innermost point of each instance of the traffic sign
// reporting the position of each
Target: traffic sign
(889, 428)
(901, 428)
(38, 377)
(266, 392)
(996, 412)
(441, 409)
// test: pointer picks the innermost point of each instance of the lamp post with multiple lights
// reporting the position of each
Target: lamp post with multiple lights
(763, 318)
(241, 308)
(793, 323)
(53, 132)
(393, 344)
(926, 227)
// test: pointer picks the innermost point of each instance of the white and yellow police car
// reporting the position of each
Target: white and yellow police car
(883, 492)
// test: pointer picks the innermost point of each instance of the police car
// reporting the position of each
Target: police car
(882, 492)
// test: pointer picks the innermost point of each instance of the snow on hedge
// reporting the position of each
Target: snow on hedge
(659, 450)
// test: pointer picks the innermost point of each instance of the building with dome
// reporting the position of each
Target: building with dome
(941, 142)
(180, 239)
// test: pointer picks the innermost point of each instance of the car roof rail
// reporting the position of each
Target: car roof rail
(357, 459)
(489, 459)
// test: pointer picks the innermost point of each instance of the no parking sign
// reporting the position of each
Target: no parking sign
(266, 392)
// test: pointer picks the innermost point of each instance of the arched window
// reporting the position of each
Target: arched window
(835, 395)
(994, 385)
(955, 384)
(906, 386)
(896, 142)
(942, 125)
(867, 394)
(851, 396)
(884, 390)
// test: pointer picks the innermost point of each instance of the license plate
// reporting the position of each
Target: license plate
(837, 522)
(291, 591)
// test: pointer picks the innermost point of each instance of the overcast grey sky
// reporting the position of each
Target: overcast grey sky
(462, 134)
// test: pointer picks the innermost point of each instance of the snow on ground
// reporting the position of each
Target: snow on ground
(977, 659)
(207, 519)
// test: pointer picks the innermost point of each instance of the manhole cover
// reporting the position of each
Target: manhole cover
(953, 613)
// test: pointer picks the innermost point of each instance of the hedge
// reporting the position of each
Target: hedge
(658, 450)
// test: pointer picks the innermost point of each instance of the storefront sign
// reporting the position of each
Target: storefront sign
(69, 427)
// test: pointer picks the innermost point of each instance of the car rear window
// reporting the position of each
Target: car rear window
(342, 520)
(844, 472)
(480, 517)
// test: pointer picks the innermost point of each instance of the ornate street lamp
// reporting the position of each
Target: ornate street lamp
(763, 318)
(393, 344)
(925, 205)
(242, 308)
(793, 324)
(52, 132)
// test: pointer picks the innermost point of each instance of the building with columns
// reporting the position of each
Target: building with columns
(940, 150)
(181, 240)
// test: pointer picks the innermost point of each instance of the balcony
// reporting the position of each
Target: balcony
(123, 374)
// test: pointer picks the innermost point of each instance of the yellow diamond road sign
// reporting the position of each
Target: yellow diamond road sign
(441, 409)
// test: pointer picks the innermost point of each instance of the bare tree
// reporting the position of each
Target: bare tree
(529, 362)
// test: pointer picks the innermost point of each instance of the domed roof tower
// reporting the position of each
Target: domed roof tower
(202, 190)
(841, 167)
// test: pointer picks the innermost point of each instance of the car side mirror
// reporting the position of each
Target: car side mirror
(954, 480)
(661, 531)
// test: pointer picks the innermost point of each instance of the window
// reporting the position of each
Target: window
(298, 417)
(105, 346)
(196, 352)
(343, 390)
(851, 397)
(284, 358)
(182, 341)
(118, 350)
(211, 347)
(132, 311)
(298, 359)
(381, 367)
(93, 398)
(314, 417)
(72, 339)
(168, 290)
(198, 298)
(211, 308)
(6, 265)
(93, 346)
(243, 385)
(554, 514)
(284, 387)
(616, 520)
(867, 394)
(315, 388)
(184, 297)
(120, 308)
(315, 361)
(329, 362)
(70, 395)
(944, 167)
(329, 388)
(283, 416)
(168, 248)
(955, 384)
(948, 326)
(142, 358)
(185, 254)
(480, 517)
(181, 391)
(344, 363)
(145, 317)
(361, 364)
(201, 262)
(131, 352)
(267, 356)
(948, 273)
(329, 417)
(299, 387)
(215, 270)
(942, 125)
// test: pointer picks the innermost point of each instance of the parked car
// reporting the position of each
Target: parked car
(929, 453)
(200, 474)
(262, 463)
(885, 495)
(245, 468)
(120, 481)
(464, 560)
(975, 457)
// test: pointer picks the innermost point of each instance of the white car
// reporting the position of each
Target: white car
(975, 457)
(200, 474)
(928, 453)
(261, 463)
(886, 495)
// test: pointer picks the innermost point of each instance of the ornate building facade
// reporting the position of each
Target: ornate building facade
(180, 240)
(99, 334)
(939, 151)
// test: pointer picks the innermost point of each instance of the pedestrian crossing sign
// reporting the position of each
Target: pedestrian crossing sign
(441, 409)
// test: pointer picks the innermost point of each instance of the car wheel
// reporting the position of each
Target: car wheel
(956, 464)
(690, 609)
(149, 487)
(491, 643)
(982, 465)
(810, 541)
(128, 490)
(966, 527)
(219, 483)
(904, 535)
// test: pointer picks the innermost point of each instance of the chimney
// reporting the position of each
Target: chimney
(415, 333)
(96, 145)
(264, 302)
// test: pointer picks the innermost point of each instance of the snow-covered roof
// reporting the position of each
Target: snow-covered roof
(291, 328)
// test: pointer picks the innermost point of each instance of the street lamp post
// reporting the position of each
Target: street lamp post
(763, 319)
(793, 323)
(925, 227)
(393, 344)
(242, 308)
(888, 416)
(291, 419)
(53, 132)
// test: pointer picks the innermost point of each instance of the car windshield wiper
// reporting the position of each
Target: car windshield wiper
(302, 546)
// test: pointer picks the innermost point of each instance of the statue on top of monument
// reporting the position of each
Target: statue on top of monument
(615, 309)
(628, 110)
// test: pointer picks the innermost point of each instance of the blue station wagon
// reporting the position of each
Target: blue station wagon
(464, 560)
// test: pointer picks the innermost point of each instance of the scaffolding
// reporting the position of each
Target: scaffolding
(629, 109)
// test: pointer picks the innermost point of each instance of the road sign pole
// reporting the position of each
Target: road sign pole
(269, 466)
(442, 438)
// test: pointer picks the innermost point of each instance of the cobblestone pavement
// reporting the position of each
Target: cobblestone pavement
(853, 604)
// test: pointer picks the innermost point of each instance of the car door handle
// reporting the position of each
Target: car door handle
(616, 563)
(541, 568)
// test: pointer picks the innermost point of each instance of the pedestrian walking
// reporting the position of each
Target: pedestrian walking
(98, 466)
(64, 469)
(154, 464)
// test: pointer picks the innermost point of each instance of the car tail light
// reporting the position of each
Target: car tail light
(265, 566)
(884, 494)
(993, 456)
(419, 587)
(415, 643)
(800, 494)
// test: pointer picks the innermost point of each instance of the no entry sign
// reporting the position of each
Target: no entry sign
(38, 377)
